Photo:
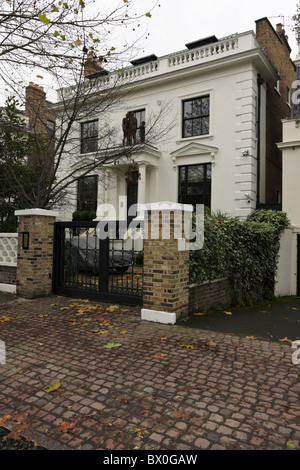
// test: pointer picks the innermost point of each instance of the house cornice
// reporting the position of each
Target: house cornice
(238, 49)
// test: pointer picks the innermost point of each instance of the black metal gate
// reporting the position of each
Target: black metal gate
(89, 266)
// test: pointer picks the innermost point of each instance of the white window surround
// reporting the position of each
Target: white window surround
(191, 96)
(277, 87)
(201, 153)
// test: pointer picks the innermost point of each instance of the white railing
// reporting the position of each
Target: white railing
(204, 52)
(186, 58)
(8, 249)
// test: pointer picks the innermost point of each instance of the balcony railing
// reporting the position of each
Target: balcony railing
(201, 53)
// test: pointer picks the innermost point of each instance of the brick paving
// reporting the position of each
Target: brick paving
(164, 388)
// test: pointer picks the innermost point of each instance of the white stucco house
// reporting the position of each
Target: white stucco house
(205, 111)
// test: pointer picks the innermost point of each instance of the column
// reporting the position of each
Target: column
(142, 184)
(166, 268)
(35, 252)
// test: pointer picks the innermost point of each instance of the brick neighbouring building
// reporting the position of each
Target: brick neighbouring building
(275, 45)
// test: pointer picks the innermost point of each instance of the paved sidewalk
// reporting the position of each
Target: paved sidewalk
(122, 383)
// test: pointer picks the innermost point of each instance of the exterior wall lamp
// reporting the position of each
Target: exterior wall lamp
(25, 240)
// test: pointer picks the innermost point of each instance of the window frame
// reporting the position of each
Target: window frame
(50, 128)
(92, 140)
(288, 96)
(95, 201)
(205, 194)
(135, 111)
(201, 117)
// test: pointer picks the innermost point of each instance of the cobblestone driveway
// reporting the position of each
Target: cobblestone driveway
(127, 384)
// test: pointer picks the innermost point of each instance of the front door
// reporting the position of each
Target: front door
(132, 193)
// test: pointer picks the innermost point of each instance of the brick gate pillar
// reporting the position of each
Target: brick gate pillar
(166, 264)
(35, 252)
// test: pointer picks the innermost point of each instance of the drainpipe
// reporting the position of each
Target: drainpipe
(260, 81)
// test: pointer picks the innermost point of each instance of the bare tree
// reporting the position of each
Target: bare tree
(65, 42)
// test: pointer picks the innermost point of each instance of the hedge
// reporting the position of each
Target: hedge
(244, 251)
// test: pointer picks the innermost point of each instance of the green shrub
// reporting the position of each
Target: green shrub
(84, 215)
(245, 251)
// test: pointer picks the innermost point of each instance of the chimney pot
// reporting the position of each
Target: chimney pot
(279, 28)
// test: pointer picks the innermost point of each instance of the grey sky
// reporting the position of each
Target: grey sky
(177, 22)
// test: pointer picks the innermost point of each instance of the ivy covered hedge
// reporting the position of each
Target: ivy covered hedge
(244, 251)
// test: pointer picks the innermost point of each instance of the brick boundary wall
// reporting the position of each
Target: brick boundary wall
(210, 294)
(8, 275)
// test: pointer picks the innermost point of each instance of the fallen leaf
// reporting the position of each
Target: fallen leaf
(5, 419)
(53, 387)
(294, 308)
(228, 313)
(235, 345)
(250, 337)
(286, 340)
(112, 345)
(123, 332)
(138, 431)
(180, 414)
(65, 426)
(211, 343)
(290, 445)
(187, 346)
(4, 319)
(199, 314)
(158, 356)
(163, 339)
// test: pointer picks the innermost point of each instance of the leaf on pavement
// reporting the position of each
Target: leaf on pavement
(159, 356)
(290, 445)
(112, 345)
(228, 313)
(286, 340)
(53, 387)
(4, 420)
(187, 346)
(250, 337)
(4, 319)
(66, 426)
(138, 431)
(211, 343)
(199, 314)
(123, 332)
(180, 414)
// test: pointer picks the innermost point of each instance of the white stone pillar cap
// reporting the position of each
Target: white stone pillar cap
(43, 212)
(168, 205)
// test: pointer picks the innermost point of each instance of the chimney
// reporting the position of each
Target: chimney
(93, 65)
(281, 33)
(35, 101)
